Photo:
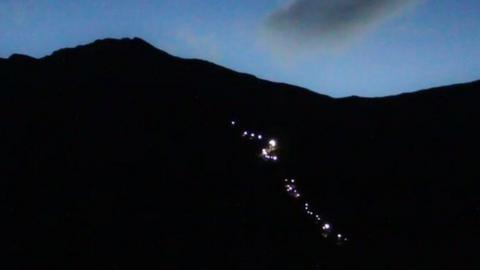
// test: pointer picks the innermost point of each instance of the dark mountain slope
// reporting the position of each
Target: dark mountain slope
(117, 155)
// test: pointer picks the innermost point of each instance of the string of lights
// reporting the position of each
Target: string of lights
(270, 153)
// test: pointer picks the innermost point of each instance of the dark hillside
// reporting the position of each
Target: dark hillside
(117, 155)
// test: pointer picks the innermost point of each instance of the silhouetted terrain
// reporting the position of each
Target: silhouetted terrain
(116, 155)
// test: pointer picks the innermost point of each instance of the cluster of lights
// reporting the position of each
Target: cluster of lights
(252, 135)
(270, 153)
(291, 188)
(326, 228)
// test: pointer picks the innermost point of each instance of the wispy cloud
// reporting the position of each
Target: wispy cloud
(328, 24)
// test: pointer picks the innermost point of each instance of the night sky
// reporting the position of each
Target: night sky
(339, 48)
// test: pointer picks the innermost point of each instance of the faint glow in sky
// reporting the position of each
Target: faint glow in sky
(435, 43)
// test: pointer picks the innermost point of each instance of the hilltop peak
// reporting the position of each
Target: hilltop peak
(125, 46)
(125, 41)
(20, 57)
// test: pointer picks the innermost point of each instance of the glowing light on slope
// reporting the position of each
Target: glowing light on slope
(272, 143)
(269, 153)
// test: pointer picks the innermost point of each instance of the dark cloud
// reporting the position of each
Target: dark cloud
(329, 22)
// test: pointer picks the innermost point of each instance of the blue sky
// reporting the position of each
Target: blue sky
(378, 50)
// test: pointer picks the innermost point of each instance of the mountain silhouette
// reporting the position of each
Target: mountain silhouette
(117, 155)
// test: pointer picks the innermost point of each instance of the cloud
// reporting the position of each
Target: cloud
(329, 24)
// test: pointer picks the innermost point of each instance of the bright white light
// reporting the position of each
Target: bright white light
(272, 143)
(269, 153)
